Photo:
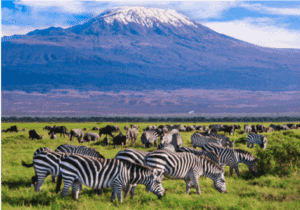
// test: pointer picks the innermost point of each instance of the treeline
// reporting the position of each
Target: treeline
(150, 119)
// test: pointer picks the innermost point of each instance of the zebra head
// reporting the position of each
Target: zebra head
(230, 144)
(253, 166)
(220, 182)
(155, 184)
(264, 143)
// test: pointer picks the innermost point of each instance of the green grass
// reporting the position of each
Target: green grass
(275, 189)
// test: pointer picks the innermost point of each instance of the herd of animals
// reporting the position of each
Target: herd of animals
(77, 165)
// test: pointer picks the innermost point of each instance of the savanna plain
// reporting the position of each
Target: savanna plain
(275, 186)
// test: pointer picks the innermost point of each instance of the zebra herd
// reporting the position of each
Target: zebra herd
(77, 165)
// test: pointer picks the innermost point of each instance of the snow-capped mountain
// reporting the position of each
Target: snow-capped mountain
(143, 48)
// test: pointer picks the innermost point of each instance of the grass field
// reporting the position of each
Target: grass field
(276, 187)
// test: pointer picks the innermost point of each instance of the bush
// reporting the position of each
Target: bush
(280, 159)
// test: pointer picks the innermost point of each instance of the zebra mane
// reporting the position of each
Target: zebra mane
(211, 161)
(138, 165)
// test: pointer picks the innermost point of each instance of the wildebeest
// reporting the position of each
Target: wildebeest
(47, 127)
(126, 127)
(134, 126)
(131, 134)
(13, 128)
(116, 128)
(91, 137)
(23, 130)
(247, 129)
(218, 127)
(106, 130)
(4, 130)
(84, 129)
(53, 136)
(33, 134)
(189, 128)
(76, 133)
(120, 139)
(291, 126)
(106, 141)
(237, 127)
(59, 129)
(228, 129)
(254, 128)
(95, 128)
(172, 137)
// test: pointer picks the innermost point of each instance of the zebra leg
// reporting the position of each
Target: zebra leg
(252, 145)
(237, 170)
(128, 189)
(76, 188)
(119, 194)
(67, 184)
(54, 178)
(188, 186)
(248, 144)
(231, 170)
(40, 181)
(113, 195)
(196, 184)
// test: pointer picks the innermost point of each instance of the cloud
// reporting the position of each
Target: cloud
(259, 31)
(272, 10)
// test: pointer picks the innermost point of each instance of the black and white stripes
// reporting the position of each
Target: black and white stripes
(198, 140)
(254, 138)
(100, 173)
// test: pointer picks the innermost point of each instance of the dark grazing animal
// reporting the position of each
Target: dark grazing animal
(187, 166)
(120, 139)
(107, 131)
(107, 173)
(59, 129)
(229, 129)
(76, 133)
(48, 127)
(218, 127)
(33, 135)
(254, 128)
(106, 141)
(149, 137)
(13, 128)
(95, 128)
(53, 136)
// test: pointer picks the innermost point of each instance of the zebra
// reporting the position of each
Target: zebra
(210, 154)
(83, 150)
(131, 134)
(149, 137)
(223, 139)
(188, 167)
(166, 146)
(45, 162)
(254, 138)
(232, 157)
(198, 140)
(100, 173)
(172, 137)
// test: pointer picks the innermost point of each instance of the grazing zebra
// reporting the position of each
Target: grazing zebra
(131, 134)
(198, 140)
(45, 162)
(223, 139)
(132, 156)
(166, 146)
(149, 137)
(100, 173)
(232, 157)
(83, 150)
(188, 167)
(254, 138)
(210, 154)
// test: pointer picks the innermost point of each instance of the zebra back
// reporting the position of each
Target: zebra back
(132, 156)
(198, 140)
(83, 150)
(210, 154)
(254, 138)
(166, 146)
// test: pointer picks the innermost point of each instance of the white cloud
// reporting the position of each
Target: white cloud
(258, 31)
(272, 10)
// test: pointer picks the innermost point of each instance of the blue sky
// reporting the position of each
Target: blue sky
(265, 23)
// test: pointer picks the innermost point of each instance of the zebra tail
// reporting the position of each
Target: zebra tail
(58, 184)
(27, 165)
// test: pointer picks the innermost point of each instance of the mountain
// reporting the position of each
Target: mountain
(134, 48)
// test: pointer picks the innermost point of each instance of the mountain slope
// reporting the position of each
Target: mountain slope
(136, 47)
